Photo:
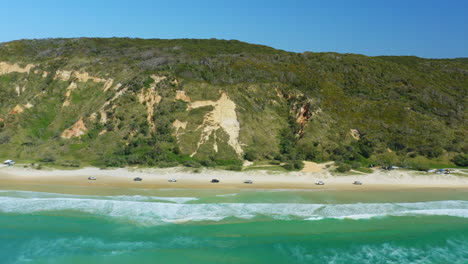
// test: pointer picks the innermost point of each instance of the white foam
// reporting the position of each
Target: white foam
(54, 247)
(148, 210)
(142, 198)
(227, 195)
(452, 251)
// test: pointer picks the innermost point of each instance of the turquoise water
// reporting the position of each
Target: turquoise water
(73, 225)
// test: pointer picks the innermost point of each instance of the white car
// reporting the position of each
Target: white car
(9, 162)
(319, 183)
(357, 183)
(172, 180)
(91, 178)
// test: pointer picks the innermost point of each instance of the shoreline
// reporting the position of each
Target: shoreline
(158, 179)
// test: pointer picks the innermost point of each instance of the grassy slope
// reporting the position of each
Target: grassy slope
(411, 106)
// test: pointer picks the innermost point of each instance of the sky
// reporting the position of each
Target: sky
(424, 28)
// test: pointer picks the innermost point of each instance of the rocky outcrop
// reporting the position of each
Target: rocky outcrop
(177, 124)
(18, 109)
(78, 129)
(223, 116)
(150, 98)
(82, 77)
(6, 68)
(70, 88)
(303, 114)
(355, 134)
(182, 95)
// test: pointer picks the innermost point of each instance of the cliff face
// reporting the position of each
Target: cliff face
(165, 102)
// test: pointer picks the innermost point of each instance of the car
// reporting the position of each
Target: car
(319, 183)
(248, 182)
(137, 179)
(172, 180)
(9, 163)
(91, 178)
(357, 183)
(214, 180)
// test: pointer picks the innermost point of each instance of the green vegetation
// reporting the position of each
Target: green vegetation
(461, 160)
(353, 109)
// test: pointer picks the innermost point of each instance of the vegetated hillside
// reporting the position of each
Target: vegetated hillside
(123, 101)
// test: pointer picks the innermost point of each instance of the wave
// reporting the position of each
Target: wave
(227, 195)
(139, 198)
(452, 251)
(141, 209)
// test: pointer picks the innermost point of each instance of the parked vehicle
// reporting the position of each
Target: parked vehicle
(9, 162)
(248, 182)
(172, 180)
(319, 183)
(137, 179)
(214, 180)
(91, 178)
(357, 183)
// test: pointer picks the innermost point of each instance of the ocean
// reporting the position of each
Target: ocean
(110, 225)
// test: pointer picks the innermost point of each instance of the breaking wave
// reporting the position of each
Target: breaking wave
(158, 210)
(137, 198)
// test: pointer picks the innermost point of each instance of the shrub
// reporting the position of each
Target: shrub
(419, 167)
(4, 139)
(48, 158)
(222, 162)
(343, 168)
(114, 162)
(192, 164)
(355, 165)
(70, 163)
(294, 165)
(234, 168)
(250, 155)
(208, 163)
(288, 166)
(167, 164)
(298, 164)
(460, 160)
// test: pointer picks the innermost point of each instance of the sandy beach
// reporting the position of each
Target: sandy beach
(186, 179)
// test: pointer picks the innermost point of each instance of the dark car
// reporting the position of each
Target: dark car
(214, 181)
(357, 183)
(137, 179)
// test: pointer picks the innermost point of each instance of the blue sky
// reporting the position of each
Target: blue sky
(425, 28)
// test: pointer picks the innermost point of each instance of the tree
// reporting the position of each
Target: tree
(460, 160)
(250, 155)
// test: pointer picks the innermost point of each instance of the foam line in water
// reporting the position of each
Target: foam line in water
(140, 198)
(452, 251)
(159, 212)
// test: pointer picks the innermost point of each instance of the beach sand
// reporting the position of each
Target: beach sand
(186, 179)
